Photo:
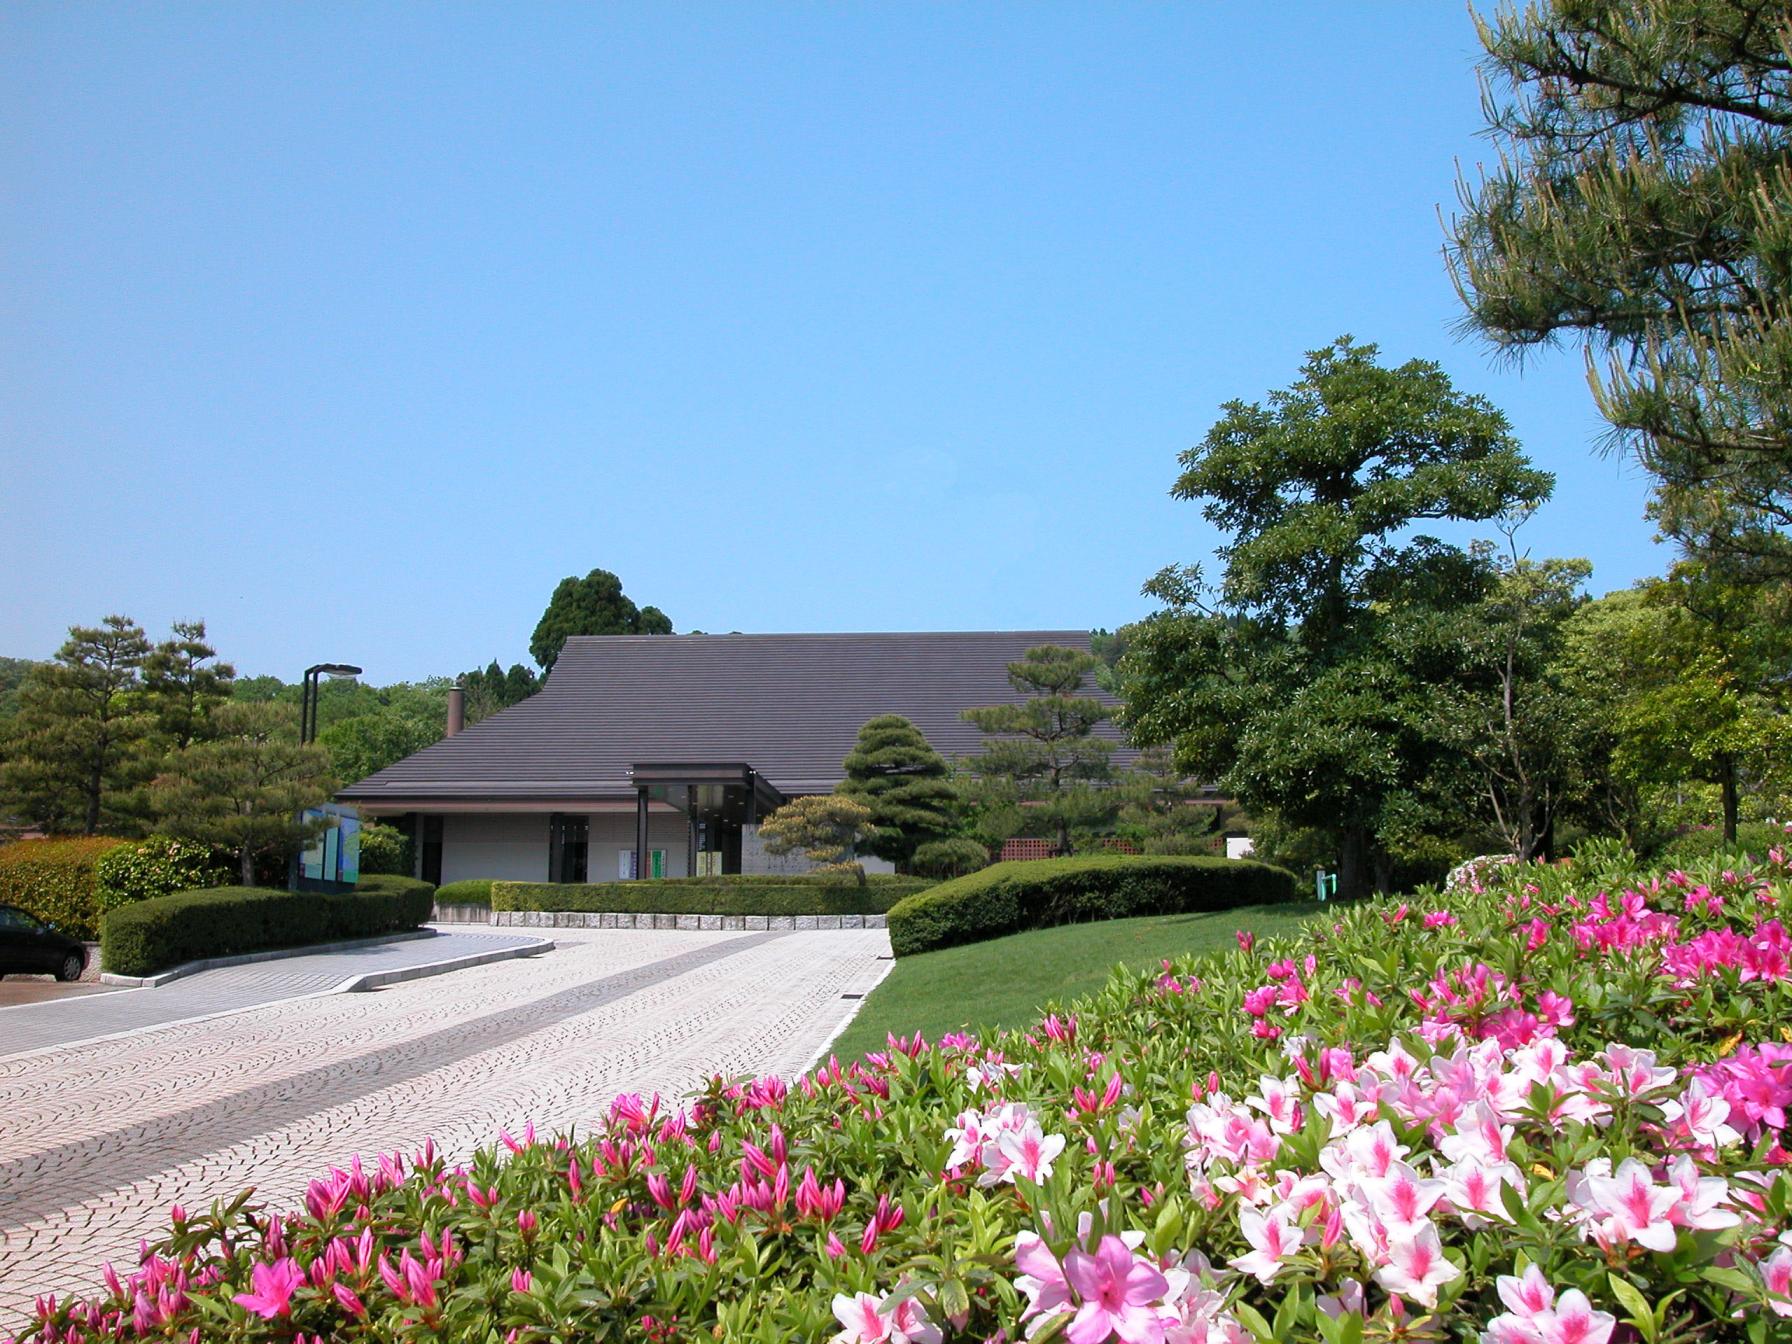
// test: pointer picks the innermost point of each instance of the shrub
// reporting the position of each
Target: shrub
(158, 866)
(164, 931)
(1038, 893)
(1753, 840)
(473, 891)
(1543, 1110)
(952, 857)
(385, 849)
(755, 895)
(56, 880)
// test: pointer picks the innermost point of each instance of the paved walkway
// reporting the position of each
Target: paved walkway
(65, 1020)
(97, 1140)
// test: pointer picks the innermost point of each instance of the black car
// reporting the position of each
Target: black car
(28, 945)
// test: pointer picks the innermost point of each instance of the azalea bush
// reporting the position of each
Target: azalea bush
(1542, 1106)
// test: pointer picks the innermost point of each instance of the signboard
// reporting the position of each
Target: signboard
(331, 860)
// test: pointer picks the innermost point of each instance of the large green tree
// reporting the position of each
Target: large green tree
(1641, 205)
(1305, 683)
(72, 757)
(1045, 746)
(183, 683)
(243, 788)
(1706, 699)
(1528, 733)
(894, 771)
(593, 605)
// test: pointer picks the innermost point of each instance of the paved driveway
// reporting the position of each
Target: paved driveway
(70, 1019)
(97, 1140)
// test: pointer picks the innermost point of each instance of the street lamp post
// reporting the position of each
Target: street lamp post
(308, 695)
(308, 729)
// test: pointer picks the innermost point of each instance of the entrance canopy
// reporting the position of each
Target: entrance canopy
(718, 797)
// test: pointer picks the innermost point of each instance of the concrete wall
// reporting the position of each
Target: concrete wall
(508, 845)
(754, 859)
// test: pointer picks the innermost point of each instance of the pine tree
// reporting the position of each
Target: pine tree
(825, 828)
(1639, 205)
(1046, 744)
(184, 683)
(896, 773)
(243, 788)
(72, 759)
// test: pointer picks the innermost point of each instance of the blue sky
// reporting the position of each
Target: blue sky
(353, 328)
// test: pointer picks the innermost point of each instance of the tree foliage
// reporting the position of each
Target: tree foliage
(1306, 684)
(1044, 748)
(894, 771)
(184, 682)
(72, 755)
(824, 828)
(491, 688)
(1641, 205)
(593, 605)
(1160, 812)
(242, 788)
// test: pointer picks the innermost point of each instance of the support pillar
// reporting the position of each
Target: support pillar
(643, 860)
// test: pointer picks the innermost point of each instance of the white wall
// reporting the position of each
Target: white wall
(613, 833)
(508, 845)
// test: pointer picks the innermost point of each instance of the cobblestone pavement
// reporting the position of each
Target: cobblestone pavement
(97, 1140)
(65, 1020)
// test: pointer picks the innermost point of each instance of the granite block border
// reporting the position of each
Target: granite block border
(604, 919)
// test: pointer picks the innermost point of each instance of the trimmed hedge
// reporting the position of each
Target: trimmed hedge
(473, 891)
(164, 931)
(1038, 893)
(756, 894)
(57, 880)
(395, 884)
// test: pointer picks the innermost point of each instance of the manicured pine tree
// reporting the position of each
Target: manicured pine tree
(184, 683)
(72, 759)
(242, 789)
(1046, 744)
(894, 771)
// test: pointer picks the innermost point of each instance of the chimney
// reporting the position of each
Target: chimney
(457, 709)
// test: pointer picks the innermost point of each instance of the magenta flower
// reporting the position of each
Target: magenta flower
(1118, 1290)
(273, 1288)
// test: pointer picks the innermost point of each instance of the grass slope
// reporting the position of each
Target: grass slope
(1005, 982)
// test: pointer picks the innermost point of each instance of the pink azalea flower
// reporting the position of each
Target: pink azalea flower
(1273, 1239)
(1631, 1207)
(1416, 1266)
(1042, 1279)
(1535, 1316)
(1027, 1151)
(273, 1289)
(1776, 1274)
(870, 1320)
(1118, 1290)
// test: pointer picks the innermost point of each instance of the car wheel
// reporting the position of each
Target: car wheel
(72, 966)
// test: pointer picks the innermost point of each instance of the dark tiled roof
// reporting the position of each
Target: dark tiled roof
(789, 705)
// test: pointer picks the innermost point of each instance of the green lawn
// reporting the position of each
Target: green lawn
(1004, 982)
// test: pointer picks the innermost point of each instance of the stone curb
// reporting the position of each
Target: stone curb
(574, 919)
(398, 975)
(187, 968)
